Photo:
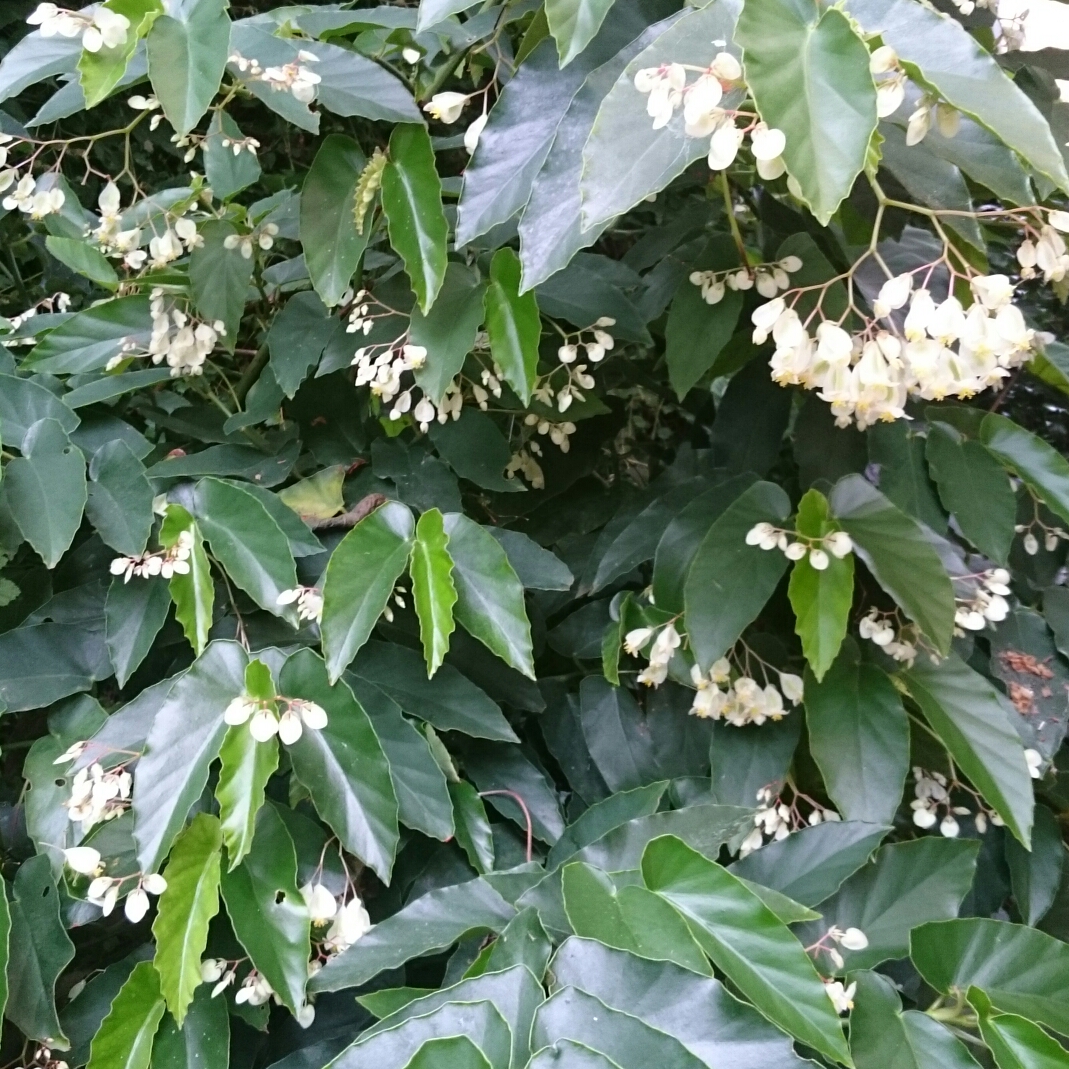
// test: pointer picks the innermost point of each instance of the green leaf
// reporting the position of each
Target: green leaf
(973, 486)
(267, 912)
(412, 201)
(618, 735)
(108, 387)
(434, 593)
(881, 1034)
(187, 53)
(729, 582)
(448, 329)
(183, 741)
(472, 826)
(34, 58)
(513, 324)
(1020, 970)
(939, 53)
(904, 475)
(451, 1052)
(1036, 874)
(89, 339)
(126, 1034)
(712, 1024)
(332, 246)
(246, 541)
(245, 767)
(628, 918)
(490, 603)
(573, 24)
(973, 721)
(905, 885)
(193, 592)
(220, 277)
(101, 71)
(343, 765)
(808, 71)
(185, 908)
(119, 501)
(202, 1043)
(696, 331)
(23, 403)
(83, 259)
(38, 951)
(859, 738)
(431, 922)
(899, 555)
(1016, 1042)
(1041, 467)
(523, 942)
(821, 600)
(537, 568)
(45, 490)
(226, 172)
(297, 338)
(432, 12)
(754, 949)
(809, 865)
(359, 581)
(133, 615)
(475, 449)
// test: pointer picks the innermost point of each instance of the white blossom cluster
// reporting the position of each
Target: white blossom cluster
(986, 604)
(102, 28)
(255, 990)
(109, 235)
(398, 597)
(309, 601)
(1046, 250)
(661, 650)
(869, 376)
(842, 998)
(559, 432)
(838, 543)
(742, 701)
(348, 921)
(599, 343)
(834, 939)
(446, 108)
(775, 819)
(878, 628)
(29, 196)
(165, 562)
(97, 795)
(666, 89)
(767, 279)
(179, 339)
(526, 465)
(295, 78)
(265, 722)
(104, 891)
(1051, 537)
(264, 236)
(933, 793)
(891, 82)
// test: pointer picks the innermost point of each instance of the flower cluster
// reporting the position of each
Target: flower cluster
(837, 543)
(104, 891)
(933, 793)
(102, 28)
(742, 701)
(30, 197)
(522, 462)
(265, 722)
(767, 279)
(446, 108)
(114, 241)
(97, 795)
(180, 340)
(868, 376)
(1051, 536)
(986, 603)
(1046, 252)
(398, 598)
(878, 628)
(348, 921)
(842, 998)
(264, 236)
(836, 937)
(382, 372)
(294, 78)
(165, 562)
(559, 433)
(775, 819)
(661, 651)
(309, 601)
(596, 346)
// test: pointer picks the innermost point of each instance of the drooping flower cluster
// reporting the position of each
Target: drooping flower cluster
(104, 891)
(179, 339)
(165, 562)
(263, 236)
(1051, 535)
(987, 602)
(834, 938)
(933, 794)
(98, 795)
(743, 700)
(112, 239)
(295, 78)
(101, 28)
(309, 601)
(265, 722)
(879, 628)
(30, 196)
(596, 346)
(661, 650)
(775, 818)
(837, 543)
(348, 921)
(767, 279)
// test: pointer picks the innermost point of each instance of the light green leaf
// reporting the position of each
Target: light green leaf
(359, 581)
(46, 491)
(319, 497)
(126, 1034)
(899, 555)
(473, 829)
(267, 912)
(450, 1052)
(220, 277)
(119, 502)
(513, 324)
(1040, 466)
(755, 950)
(185, 908)
(412, 201)
(38, 951)
(970, 717)
(974, 487)
(573, 24)
(187, 53)
(729, 582)
(1019, 969)
(859, 738)
(343, 765)
(83, 259)
(821, 600)
(182, 742)
(431, 12)
(490, 603)
(245, 767)
(193, 592)
(246, 541)
(101, 71)
(434, 593)
(332, 246)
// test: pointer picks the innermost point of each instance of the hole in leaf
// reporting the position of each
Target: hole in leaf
(280, 897)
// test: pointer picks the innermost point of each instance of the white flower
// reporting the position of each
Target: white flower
(889, 96)
(637, 638)
(947, 119)
(211, 969)
(264, 725)
(724, 145)
(818, 559)
(136, 905)
(322, 905)
(893, 295)
(767, 142)
(666, 643)
(949, 827)
(82, 859)
(240, 709)
(792, 686)
(154, 883)
(473, 132)
(108, 30)
(764, 318)
(842, 998)
(883, 60)
(446, 107)
(759, 534)
(255, 990)
(726, 67)
(838, 544)
(1034, 760)
(992, 291)
(920, 122)
(701, 111)
(854, 939)
(350, 925)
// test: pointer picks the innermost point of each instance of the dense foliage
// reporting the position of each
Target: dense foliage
(515, 545)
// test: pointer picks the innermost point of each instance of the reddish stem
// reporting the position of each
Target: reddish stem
(526, 813)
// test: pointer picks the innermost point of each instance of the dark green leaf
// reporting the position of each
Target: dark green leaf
(1036, 874)
(133, 615)
(573, 24)
(1041, 467)
(119, 501)
(452, 1052)
(228, 173)
(89, 339)
(202, 1043)
(1016, 1042)
(751, 420)
(220, 277)
(22, 403)
(475, 449)
(904, 477)
(297, 338)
